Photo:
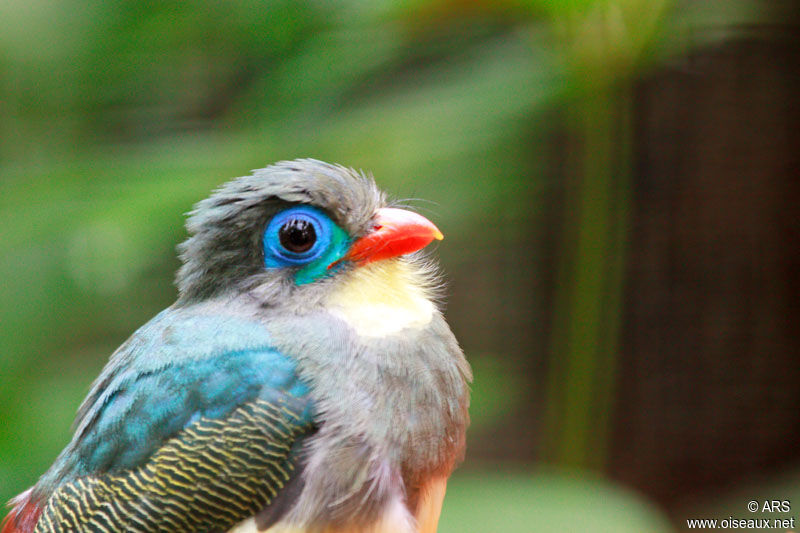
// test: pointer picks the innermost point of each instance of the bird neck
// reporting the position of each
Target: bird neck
(383, 298)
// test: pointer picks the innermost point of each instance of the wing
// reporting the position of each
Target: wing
(196, 441)
(210, 476)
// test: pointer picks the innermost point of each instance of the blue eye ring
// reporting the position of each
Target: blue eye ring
(276, 255)
(318, 261)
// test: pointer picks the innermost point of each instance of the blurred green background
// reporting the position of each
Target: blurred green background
(616, 179)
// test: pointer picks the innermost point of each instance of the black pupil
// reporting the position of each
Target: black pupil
(297, 235)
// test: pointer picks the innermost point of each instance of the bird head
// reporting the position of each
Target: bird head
(290, 232)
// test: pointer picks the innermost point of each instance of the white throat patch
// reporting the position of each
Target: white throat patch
(383, 298)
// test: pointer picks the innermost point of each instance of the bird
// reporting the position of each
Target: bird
(304, 381)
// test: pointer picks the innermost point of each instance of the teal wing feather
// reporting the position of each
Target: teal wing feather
(180, 443)
(210, 476)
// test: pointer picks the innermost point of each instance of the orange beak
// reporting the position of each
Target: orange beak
(395, 232)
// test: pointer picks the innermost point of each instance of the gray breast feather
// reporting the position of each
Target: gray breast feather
(393, 412)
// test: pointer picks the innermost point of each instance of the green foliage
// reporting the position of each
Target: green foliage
(546, 502)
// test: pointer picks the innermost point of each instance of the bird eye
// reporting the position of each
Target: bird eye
(297, 235)
(304, 237)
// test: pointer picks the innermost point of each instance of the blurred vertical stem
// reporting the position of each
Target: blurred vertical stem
(602, 42)
(591, 270)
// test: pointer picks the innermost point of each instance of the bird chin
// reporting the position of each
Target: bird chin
(382, 299)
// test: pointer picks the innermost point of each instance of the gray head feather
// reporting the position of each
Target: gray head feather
(224, 250)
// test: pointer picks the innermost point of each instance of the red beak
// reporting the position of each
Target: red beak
(395, 232)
